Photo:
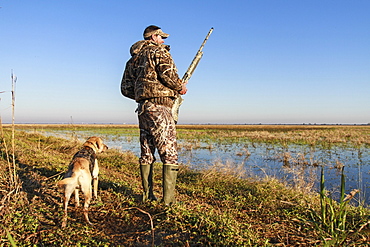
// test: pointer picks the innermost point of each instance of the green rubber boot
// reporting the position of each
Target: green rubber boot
(169, 182)
(147, 182)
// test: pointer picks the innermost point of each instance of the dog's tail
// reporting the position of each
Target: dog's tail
(65, 181)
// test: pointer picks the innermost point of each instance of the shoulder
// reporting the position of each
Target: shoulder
(147, 45)
(137, 47)
(159, 47)
(164, 48)
(162, 51)
(148, 48)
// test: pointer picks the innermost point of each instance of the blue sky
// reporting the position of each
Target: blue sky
(273, 61)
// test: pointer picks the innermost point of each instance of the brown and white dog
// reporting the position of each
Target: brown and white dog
(82, 170)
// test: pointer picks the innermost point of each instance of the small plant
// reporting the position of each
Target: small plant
(331, 221)
(10, 238)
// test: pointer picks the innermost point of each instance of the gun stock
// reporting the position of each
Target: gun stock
(189, 72)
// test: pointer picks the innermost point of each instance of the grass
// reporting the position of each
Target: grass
(331, 221)
(217, 208)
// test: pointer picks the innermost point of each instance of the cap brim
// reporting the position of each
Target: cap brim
(164, 35)
(157, 32)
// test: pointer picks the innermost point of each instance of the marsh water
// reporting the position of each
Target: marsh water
(297, 165)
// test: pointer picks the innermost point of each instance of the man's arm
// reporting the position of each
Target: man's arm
(167, 72)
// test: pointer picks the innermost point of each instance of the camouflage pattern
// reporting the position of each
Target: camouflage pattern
(150, 78)
(150, 72)
(157, 130)
(155, 32)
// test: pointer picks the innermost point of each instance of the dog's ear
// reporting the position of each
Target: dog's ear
(96, 143)
(101, 146)
(92, 142)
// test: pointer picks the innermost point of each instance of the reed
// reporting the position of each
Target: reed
(13, 176)
(5, 152)
(331, 221)
(12, 185)
(10, 153)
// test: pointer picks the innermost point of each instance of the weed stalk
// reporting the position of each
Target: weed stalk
(14, 80)
(6, 150)
(332, 220)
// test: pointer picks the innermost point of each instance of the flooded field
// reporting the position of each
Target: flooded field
(292, 154)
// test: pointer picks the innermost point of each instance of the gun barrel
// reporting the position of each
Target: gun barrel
(196, 59)
(205, 40)
(178, 101)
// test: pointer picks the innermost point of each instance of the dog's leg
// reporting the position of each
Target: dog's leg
(67, 195)
(95, 174)
(86, 209)
(65, 215)
(96, 181)
(77, 198)
(87, 191)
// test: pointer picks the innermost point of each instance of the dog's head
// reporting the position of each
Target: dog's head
(96, 143)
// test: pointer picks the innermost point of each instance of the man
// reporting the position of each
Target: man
(150, 78)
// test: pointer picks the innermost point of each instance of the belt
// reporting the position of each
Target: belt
(166, 101)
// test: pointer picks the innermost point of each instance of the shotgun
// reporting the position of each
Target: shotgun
(178, 101)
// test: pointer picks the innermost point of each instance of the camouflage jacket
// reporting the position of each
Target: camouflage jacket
(150, 72)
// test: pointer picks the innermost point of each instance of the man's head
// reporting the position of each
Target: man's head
(155, 33)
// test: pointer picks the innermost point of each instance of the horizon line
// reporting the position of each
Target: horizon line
(87, 123)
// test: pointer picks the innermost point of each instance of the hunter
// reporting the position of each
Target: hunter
(150, 78)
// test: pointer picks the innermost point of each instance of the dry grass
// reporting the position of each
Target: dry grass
(217, 208)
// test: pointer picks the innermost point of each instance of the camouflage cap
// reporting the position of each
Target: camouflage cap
(156, 32)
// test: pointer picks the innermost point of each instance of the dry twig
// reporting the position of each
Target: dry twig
(151, 221)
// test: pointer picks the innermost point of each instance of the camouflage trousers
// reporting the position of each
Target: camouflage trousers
(157, 131)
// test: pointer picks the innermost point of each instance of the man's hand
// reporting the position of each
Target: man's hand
(184, 89)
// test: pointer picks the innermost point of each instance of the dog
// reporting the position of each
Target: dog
(82, 172)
